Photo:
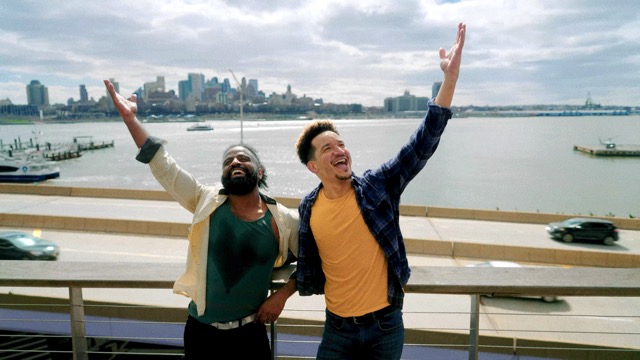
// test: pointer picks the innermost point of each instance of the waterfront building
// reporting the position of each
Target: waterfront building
(252, 88)
(196, 86)
(406, 102)
(37, 94)
(184, 88)
(154, 86)
(84, 95)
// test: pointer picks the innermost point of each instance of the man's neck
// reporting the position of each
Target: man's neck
(247, 207)
(336, 189)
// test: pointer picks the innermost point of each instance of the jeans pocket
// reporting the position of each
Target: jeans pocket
(391, 321)
(335, 321)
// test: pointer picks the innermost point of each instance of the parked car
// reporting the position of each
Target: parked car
(511, 264)
(17, 245)
(587, 229)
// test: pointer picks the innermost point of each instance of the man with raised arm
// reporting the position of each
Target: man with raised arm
(237, 236)
(351, 248)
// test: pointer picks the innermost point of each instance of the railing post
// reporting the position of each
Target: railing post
(274, 335)
(274, 342)
(78, 333)
(474, 327)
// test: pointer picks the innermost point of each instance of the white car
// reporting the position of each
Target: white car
(511, 264)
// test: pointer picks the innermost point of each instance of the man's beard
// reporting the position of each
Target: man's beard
(240, 185)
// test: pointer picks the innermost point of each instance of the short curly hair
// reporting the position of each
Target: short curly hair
(303, 145)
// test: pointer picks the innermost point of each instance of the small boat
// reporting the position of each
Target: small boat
(32, 167)
(200, 127)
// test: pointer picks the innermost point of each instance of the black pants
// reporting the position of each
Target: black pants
(203, 341)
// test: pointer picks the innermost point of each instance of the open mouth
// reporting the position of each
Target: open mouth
(342, 163)
(238, 172)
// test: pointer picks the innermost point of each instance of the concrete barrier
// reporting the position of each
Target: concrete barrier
(406, 210)
(521, 217)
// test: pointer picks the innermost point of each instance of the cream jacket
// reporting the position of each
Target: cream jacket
(202, 201)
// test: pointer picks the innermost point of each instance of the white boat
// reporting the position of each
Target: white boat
(28, 168)
(200, 127)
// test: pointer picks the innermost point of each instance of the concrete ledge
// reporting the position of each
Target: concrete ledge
(406, 210)
(542, 255)
(121, 194)
(429, 247)
(521, 217)
(140, 227)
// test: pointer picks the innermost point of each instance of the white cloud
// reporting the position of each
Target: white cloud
(517, 52)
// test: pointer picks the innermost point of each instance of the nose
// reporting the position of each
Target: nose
(339, 150)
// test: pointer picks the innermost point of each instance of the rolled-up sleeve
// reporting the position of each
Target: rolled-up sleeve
(149, 149)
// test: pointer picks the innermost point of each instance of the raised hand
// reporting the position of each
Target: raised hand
(127, 108)
(450, 63)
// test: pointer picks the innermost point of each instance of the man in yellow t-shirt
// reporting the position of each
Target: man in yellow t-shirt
(351, 248)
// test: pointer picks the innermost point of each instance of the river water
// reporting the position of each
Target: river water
(521, 164)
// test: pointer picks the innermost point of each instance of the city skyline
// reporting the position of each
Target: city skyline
(226, 86)
(524, 53)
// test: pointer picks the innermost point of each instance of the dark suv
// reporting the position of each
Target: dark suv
(584, 229)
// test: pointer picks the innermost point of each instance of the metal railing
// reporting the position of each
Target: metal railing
(76, 276)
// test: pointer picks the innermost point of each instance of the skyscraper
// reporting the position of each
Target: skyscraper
(154, 86)
(37, 94)
(197, 85)
(252, 89)
(84, 96)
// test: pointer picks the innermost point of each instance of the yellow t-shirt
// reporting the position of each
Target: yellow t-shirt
(352, 260)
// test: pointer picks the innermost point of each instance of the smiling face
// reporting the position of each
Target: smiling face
(241, 171)
(331, 160)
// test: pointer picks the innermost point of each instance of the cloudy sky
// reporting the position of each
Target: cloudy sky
(343, 51)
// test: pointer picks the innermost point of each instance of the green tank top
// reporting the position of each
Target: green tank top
(239, 264)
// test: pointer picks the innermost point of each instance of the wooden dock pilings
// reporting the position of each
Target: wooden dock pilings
(93, 146)
(61, 155)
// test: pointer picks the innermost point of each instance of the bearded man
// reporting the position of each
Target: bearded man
(237, 236)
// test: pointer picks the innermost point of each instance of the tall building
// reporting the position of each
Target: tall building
(226, 85)
(37, 94)
(252, 88)
(84, 96)
(154, 86)
(184, 89)
(435, 89)
(197, 85)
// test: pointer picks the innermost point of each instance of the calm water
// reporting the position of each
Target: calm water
(524, 164)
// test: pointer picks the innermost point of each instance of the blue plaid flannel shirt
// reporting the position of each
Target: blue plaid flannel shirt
(378, 194)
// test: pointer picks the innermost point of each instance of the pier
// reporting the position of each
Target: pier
(54, 152)
(607, 150)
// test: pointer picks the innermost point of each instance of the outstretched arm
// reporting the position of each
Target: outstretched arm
(128, 109)
(450, 65)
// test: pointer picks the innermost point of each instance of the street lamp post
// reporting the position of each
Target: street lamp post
(241, 106)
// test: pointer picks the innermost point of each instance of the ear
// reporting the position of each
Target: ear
(311, 165)
(260, 172)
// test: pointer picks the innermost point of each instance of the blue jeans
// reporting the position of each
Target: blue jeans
(380, 338)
